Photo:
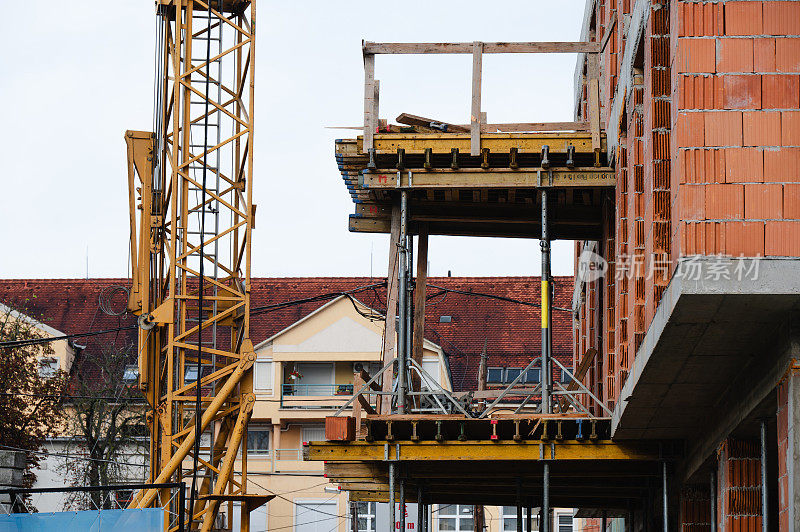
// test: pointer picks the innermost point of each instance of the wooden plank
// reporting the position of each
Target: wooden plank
(370, 120)
(475, 115)
(494, 178)
(416, 143)
(415, 120)
(418, 340)
(609, 31)
(527, 450)
(535, 126)
(593, 71)
(488, 48)
(389, 340)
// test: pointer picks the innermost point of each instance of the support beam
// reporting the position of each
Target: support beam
(764, 486)
(370, 120)
(547, 369)
(402, 331)
(392, 478)
(475, 116)
(491, 178)
(529, 451)
(544, 526)
(488, 47)
(391, 306)
(419, 300)
(665, 496)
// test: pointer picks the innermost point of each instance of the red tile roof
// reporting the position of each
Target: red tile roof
(510, 331)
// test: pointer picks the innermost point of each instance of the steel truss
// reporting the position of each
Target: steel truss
(191, 222)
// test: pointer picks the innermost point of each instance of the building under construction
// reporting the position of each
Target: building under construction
(678, 180)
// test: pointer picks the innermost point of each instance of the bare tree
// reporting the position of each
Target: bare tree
(106, 423)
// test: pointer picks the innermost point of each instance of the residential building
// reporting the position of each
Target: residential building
(307, 352)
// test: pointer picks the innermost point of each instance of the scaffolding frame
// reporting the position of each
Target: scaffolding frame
(191, 216)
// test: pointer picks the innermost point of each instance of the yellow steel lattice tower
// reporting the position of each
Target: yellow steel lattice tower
(191, 221)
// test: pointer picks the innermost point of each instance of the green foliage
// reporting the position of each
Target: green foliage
(30, 403)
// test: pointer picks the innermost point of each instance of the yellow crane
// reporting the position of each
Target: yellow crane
(191, 216)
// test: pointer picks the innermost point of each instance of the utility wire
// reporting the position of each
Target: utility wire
(34, 341)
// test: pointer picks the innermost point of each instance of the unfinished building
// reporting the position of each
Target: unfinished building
(679, 182)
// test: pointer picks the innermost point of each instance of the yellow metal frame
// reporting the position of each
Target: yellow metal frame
(492, 178)
(166, 249)
(389, 143)
(479, 450)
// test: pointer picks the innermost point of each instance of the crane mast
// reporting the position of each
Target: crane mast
(191, 216)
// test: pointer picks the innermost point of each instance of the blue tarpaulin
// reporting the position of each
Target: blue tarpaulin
(135, 520)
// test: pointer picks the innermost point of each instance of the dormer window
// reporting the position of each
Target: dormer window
(48, 367)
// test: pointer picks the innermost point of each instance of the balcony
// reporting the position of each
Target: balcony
(280, 460)
(315, 396)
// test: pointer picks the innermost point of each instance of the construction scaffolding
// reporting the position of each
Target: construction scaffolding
(423, 176)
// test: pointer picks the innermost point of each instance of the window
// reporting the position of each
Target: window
(533, 375)
(258, 437)
(564, 523)
(509, 519)
(431, 367)
(445, 319)
(511, 374)
(263, 376)
(366, 516)
(565, 378)
(48, 367)
(190, 374)
(455, 518)
(131, 374)
(135, 430)
(494, 376)
(314, 433)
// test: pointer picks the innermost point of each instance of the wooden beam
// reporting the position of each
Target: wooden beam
(475, 116)
(417, 143)
(414, 120)
(370, 119)
(609, 31)
(488, 47)
(535, 126)
(419, 301)
(494, 178)
(389, 352)
(530, 450)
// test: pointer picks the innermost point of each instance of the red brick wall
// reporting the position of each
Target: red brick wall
(695, 511)
(707, 162)
(739, 486)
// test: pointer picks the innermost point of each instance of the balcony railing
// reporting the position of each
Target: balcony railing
(318, 390)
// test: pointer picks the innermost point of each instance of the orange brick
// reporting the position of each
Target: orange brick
(696, 55)
(782, 164)
(692, 202)
(762, 202)
(780, 91)
(723, 128)
(724, 202)
(790, 128)
(782, 239)
(744, 165)
(787, 55)
(761, 128)
(742, 91)
(763, 55)
(735, 55)
(744, 239)
(791, 201)
(690, 128)
(781, 18)
(743, 18)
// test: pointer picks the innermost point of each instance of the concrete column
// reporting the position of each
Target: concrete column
(789, 450)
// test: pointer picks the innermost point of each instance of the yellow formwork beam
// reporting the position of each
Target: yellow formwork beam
(480, 450)
(476, 178)
(495, 142)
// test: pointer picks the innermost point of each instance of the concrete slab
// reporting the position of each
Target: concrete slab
(707, 329)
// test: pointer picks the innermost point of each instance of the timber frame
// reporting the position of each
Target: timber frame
(191, 216)
(481, 178)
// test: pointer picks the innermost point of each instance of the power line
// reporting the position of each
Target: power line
(34, 341)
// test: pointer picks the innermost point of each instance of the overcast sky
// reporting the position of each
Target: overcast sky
(76, 75)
